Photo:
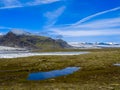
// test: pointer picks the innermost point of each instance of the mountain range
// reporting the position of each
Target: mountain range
(94, 44)
(23, 39)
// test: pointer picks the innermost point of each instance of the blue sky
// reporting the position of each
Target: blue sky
(71, 20)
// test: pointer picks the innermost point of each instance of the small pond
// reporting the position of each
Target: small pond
(52, 74)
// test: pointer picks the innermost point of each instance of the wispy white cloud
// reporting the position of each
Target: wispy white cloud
(97, 14)
(52, 17)
(10, 4)
(38, 2)
(109, 26)
(100, 24)
(86, 33)
(7, 4)
(97, 28)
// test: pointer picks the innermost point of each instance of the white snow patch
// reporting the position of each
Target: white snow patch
(20, 32)
(5, 48)
(16, 55)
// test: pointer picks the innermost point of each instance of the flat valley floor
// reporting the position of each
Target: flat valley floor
(97, 72)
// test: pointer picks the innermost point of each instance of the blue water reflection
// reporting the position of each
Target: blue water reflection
(52, 74)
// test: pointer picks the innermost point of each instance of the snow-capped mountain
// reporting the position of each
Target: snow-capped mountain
(20, 32)
(94, 44)
(23, 39)
(5, 48)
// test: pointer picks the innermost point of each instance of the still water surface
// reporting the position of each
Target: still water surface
(52, 74)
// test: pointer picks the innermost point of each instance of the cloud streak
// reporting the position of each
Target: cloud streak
(100, 24)
(97, 14)
(87, 33)
(52, 17)
(38, 2)
(102, 27)
(8, 4)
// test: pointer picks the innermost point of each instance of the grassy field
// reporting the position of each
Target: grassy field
(97, 71)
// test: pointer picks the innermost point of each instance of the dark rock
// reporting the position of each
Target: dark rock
(32, 41)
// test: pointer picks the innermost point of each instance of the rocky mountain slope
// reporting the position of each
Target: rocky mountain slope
(22, 39)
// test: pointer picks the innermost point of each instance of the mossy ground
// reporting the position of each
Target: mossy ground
(97, 72)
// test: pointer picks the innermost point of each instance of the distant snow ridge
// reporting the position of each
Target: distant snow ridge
(20, 32)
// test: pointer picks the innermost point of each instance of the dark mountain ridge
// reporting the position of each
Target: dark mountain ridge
(30, 41)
